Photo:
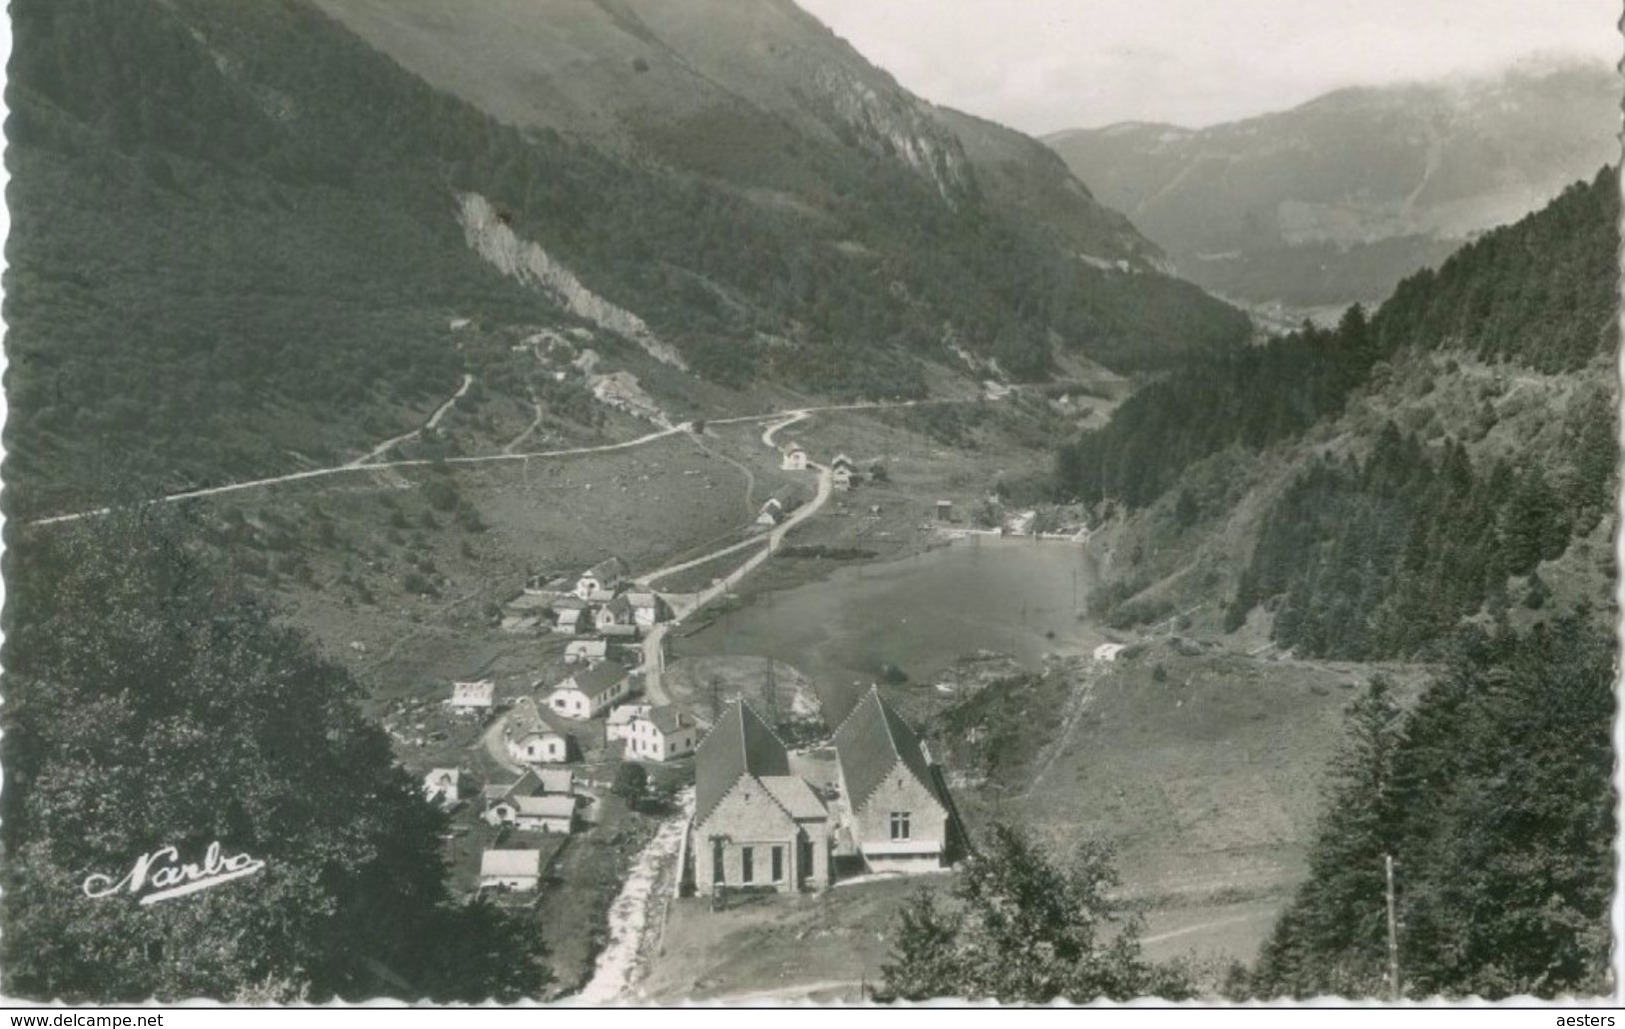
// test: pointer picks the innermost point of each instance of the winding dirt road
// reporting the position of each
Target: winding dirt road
(355, 466)
(434, 419)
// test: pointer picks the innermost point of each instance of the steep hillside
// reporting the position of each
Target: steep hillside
(1357, 493)
(241, 237)
(1337, 200)
(757, 93)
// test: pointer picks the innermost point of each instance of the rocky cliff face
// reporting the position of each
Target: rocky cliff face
(754, 92)
(490, 237)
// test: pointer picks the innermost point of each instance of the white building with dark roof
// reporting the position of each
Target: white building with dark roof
(587, 694)
(600, 582)
(661, 734)
(895, 812)
(755, 824)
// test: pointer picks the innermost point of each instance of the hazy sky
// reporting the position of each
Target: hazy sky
(1044, 65)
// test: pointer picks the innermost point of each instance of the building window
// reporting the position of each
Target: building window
(899, 825)
(718, 875)
(778, 864)
(747, 865)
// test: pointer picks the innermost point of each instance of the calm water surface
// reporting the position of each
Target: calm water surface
(920, 613)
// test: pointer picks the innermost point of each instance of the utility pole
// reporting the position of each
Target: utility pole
(1393, 933)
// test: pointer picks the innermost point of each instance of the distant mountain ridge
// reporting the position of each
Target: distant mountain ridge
(1337, 199)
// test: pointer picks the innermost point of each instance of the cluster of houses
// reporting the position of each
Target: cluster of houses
(602, 605)
(758, 825)
(842, 469)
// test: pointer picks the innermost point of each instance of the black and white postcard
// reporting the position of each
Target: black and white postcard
(841, 501)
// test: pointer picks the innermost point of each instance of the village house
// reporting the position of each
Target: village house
(472, 698)
(600, 582)
(440, 786)
(589, 693)
(617, 612)
(569, 615)
(618, 726)
(528, 783)
(531, 739)
(647, 608)
(793, 458)
(897, 819)
(660, 734)
(772, 511)
(755, 824)
(542, 812)
(842, 472)
(577, 651)
(515, 803)
(519, 870)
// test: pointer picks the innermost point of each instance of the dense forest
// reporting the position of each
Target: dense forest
(1493, 799)
(1540, 293)
(1381, 551)
(1377, 558)
(151, 703)
(234, 237)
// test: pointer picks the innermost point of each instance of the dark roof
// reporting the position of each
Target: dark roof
(871, 742)
(599, 679)
(524, 786)
(795, 796)
(740, 742)
(608, 570)
(668, 719)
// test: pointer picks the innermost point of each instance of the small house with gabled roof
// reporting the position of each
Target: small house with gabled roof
(755, 824)
(577, 651)
(532, 738)
(647, 608)
(895, 813)
(793, 458)
(587, 694)
(601, 580)
(617, 612)
(660, 734)
(570, 615)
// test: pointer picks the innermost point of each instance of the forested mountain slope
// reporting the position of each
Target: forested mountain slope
(756, 93)
(236, 251)
(1386, 479)
(1492, 796)
(1434, 483)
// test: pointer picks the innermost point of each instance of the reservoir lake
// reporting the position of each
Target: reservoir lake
(919, 613)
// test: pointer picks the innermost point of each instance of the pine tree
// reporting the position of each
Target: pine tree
(1333, 939)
